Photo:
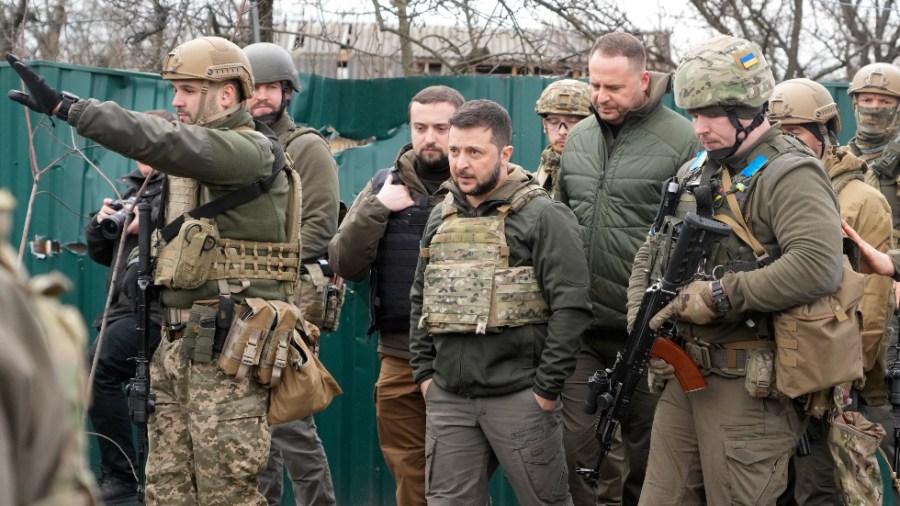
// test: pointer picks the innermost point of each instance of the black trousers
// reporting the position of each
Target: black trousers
(109, 405)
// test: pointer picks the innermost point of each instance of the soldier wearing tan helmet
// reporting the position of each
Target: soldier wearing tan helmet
(807, 110)
(875, 93)
(561, 105)
(208, 436)
(730, 442)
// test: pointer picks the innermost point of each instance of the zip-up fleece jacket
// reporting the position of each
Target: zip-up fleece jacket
(615, 190)
(353, 250)
(319, 176)
(542, 234)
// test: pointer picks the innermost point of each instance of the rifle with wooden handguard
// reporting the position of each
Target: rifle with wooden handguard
(610, 391)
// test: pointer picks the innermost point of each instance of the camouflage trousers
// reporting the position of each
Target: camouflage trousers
(208, 437)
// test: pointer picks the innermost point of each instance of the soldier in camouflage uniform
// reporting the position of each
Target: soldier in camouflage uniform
(296, 445)
(731, 442)
(42, 373)
(499, 303)
(562, 104)
(806, 110)
(208, 437)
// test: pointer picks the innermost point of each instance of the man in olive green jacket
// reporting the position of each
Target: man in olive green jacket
(208, 437)
(379, 239)
(612, 171)
(492, 383)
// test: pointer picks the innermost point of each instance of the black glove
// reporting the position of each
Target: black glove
(42, 98)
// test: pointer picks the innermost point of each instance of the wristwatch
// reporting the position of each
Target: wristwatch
(67, 100)
(720, 299)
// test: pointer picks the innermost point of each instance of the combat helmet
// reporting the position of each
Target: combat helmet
(728, 76)
(210, 58)
(883, 78)
(272, 63)
(566, 96)
(807, 103)
(876, 125)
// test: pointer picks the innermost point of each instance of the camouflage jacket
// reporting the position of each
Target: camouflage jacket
(539, 356)
(547, 174)
(614, 190)
(319, 176)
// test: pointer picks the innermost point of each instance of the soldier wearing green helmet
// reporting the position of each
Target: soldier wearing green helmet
(296, 445)
(560, 106)
(730, 442)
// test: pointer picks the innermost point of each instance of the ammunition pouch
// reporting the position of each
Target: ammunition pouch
(258, 341)
(199, 334)
(853, 441)
(320, 295)
(187, 260)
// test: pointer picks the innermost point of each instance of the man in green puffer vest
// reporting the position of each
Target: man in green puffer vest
(612, 172)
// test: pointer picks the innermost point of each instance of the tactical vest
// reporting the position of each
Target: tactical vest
(469, 286)
(884, 167)
(732, 253)
(235, 259)
(395, 264)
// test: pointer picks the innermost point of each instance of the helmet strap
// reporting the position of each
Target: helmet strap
(740, 133)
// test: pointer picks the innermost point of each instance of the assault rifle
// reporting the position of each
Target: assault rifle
(140, 400)
(612, 389)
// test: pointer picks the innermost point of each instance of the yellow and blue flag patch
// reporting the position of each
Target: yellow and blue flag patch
(746, 58)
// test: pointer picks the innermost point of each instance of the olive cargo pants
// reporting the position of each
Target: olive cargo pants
(720, 446)
(296, 446)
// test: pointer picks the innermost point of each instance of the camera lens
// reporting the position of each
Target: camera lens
(111, 227)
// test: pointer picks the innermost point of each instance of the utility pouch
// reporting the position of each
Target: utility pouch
(246, 338)
(760, 376)
(819, 343)
(274, 353)
(853, 441)
(321, 296)
(306, 388)
(199, 334)
(186, 261)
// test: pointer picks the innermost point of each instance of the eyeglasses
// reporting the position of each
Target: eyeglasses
(555, 124)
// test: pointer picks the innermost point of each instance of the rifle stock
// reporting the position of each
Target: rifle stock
(611, 390)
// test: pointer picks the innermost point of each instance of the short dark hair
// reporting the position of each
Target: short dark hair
(437, 94)
(485, 113)
(621, 44)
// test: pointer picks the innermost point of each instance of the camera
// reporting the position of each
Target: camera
(111, 226)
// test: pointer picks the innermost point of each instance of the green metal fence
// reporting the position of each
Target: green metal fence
(70, 188)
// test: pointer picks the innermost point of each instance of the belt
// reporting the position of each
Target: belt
(730, 358)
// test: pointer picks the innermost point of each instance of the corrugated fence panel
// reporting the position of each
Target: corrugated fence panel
(70, 189)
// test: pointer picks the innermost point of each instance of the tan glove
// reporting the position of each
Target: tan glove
(693, 304)
(658, 373)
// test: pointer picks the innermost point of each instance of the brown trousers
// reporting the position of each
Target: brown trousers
(400, 410)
